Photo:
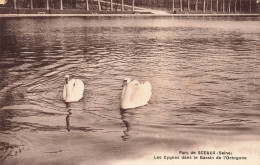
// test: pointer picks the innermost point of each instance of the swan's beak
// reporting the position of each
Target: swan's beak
(67, 80)
(124, 83)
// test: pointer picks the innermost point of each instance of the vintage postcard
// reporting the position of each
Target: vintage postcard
(123, 82)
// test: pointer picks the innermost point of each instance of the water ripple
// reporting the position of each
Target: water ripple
(205, 77)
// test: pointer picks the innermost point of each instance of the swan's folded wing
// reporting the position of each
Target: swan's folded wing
(123, 93)
(72, 82)
(64, 93)
(146, 91)
(78, 87)
(148, 86)
(136, 93)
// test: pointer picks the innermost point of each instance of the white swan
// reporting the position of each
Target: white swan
(135, 94)
(3, 2)
(73, 89)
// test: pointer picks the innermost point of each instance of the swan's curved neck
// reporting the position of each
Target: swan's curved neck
(127, 94)
(68, 91)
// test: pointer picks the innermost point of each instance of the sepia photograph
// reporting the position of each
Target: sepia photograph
(130, 82)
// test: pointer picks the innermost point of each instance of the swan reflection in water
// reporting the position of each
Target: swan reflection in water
(123, 113)
(68, 116)
(78, 108)
(68, 119)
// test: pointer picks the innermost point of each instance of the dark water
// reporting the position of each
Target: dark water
(205, 75)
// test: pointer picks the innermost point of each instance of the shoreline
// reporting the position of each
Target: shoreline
(130, 15)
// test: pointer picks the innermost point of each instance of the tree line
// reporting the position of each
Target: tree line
(171, 5)
(206, 5)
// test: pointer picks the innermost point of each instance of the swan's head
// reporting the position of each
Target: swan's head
(67, 79)
(126, 81)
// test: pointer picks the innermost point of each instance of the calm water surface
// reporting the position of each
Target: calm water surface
(205, 75)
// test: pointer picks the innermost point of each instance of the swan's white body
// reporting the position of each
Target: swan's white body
(135, 94)
(73, 90)
(3, 2)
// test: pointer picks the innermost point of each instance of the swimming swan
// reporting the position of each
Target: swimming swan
(135, 94)
(73, 90)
